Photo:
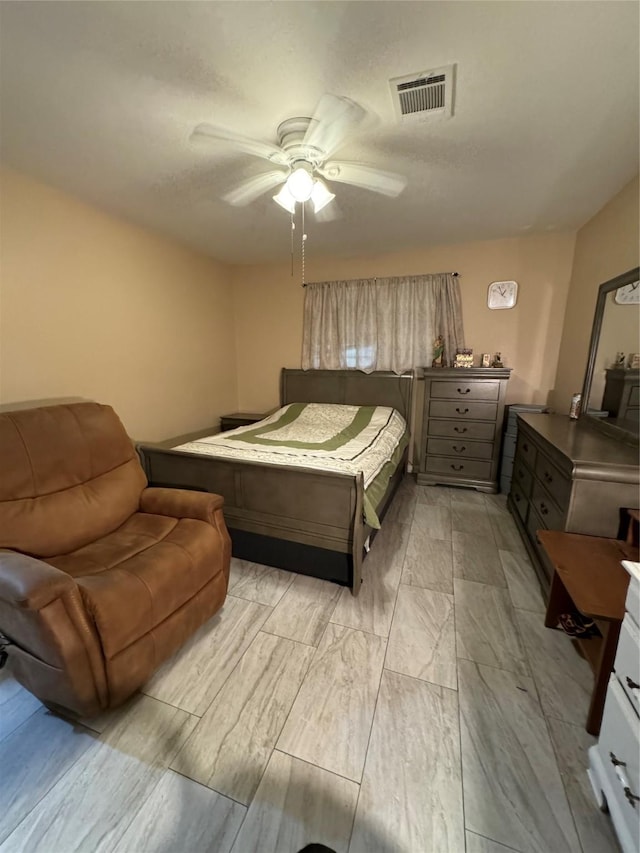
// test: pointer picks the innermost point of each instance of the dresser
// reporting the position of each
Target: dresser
(622, 394)
(569, 476)
(510, 439)
(462, 426)
(614, 762)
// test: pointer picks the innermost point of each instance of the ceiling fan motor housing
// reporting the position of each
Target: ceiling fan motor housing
(291, 134)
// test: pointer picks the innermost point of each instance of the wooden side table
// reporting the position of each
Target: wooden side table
(237, 419)
(588, 577)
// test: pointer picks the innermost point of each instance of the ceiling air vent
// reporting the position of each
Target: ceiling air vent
(426, 94)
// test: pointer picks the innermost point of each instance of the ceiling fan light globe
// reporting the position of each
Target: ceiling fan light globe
(320, 196)
(285, 199)
(300, 184)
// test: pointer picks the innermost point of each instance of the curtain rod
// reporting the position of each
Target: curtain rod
(375, 278)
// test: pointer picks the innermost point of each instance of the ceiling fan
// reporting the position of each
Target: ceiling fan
(302, 157)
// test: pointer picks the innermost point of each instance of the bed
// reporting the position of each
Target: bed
(308, 520)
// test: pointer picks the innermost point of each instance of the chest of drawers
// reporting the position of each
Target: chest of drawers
(622, 394)
(614, 762)
(461, 426)
(568, 476)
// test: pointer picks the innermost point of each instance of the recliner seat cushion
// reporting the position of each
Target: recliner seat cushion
(135, 577)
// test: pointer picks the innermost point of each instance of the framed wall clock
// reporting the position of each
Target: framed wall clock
(502, 294)
(628, 294)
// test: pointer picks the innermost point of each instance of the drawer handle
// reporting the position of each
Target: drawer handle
(525, 447)
(543, 509)
(462, 411)
(622, 776)
(459, 449)
(459, 429)
(457, 467)
(631, 684)
(547, 477)
(466, 390)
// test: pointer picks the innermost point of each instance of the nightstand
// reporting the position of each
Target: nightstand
(238, 419)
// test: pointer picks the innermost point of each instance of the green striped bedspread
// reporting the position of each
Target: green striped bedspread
(321, 436)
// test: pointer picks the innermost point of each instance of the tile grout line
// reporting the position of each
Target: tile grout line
(317, 766)
(274, 749)
(545, 717)
(54, 785)
(488, 838)
(382, 671)
(209, 788)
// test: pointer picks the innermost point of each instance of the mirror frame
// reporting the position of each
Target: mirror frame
(604, 289)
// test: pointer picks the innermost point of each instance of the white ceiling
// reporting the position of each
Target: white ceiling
(99, 99)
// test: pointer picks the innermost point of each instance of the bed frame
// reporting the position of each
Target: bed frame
(311, 522)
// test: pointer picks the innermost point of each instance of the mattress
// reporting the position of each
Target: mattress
(320, 436)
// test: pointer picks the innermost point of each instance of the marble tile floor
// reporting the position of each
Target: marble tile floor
(433, 713)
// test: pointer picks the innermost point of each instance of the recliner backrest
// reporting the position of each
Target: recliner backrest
(68, 475)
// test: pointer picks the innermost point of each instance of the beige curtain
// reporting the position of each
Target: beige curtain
(380, 324)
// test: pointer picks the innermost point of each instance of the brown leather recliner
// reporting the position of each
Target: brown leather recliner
(102, 578)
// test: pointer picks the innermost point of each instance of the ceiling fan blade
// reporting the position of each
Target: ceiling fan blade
(335, 117)
(367, 177)
(250, 146)
(249, 190)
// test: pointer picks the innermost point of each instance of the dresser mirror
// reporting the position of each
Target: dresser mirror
(611, 391)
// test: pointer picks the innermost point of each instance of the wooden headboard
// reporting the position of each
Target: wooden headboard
(350, 387)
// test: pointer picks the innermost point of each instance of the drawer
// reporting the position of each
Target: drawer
(551, 516)
(534, 523)
(632, 604)
(509, 445)
(456, 429)
(523, 477)
(627, 663)
(519, 501)
(506, 467)
(619, 742)
(554, 481)
(634, 396)
(526, 451)
(464, 469)
(460, 447)
(463, 409)
(468, 390)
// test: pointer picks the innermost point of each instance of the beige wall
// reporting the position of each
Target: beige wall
(605, 247)
(94, 307)
(268, 308)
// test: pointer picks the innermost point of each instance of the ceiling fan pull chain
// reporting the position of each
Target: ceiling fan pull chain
(304, 239)
(293, 228)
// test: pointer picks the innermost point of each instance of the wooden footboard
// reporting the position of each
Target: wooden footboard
(318, 509)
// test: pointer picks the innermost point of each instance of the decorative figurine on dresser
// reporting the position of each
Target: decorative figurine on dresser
(462, 426)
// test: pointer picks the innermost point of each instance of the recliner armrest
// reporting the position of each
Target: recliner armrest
(181, 503)
(29, 583)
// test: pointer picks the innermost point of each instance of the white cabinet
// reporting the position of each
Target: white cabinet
(614, 762)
